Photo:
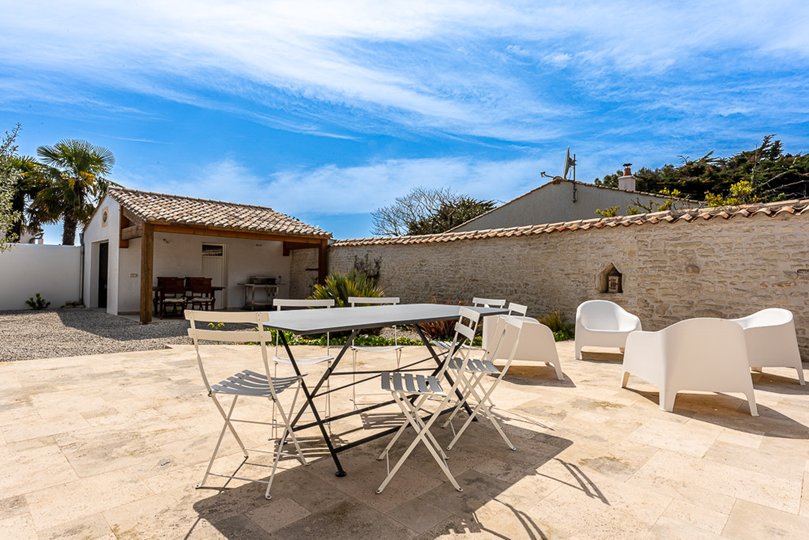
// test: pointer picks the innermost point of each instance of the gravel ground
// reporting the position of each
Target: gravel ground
(27, 335)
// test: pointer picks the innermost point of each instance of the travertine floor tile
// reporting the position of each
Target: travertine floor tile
(754, 521)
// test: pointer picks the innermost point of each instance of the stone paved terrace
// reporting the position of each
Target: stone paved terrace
(111, 446)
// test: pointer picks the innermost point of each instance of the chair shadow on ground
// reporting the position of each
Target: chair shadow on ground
(311, 502)
(779, 384)
(731, 411)
(537, 375)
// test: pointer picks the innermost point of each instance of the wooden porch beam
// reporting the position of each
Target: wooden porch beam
(289, 247)
(236, 233)
(133, 231)
(323, 261)
(146, 268)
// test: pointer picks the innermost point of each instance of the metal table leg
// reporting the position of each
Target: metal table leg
(310, 400)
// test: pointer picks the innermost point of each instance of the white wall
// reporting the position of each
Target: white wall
(553, 203)
(98, 231)
(52, 271)
(181, 255)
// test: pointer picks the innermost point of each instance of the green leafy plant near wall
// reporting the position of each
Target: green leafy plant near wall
(37, 302)
(557, 321)
(340, 287)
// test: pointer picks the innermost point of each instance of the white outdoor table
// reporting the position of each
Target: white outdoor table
(355, 319)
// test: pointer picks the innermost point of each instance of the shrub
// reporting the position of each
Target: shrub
(37, 302)
(340, 286)
(557, 321)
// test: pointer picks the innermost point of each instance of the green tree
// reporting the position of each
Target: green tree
(8, 181)
(765, 173)
(427, 211)
(76, 172)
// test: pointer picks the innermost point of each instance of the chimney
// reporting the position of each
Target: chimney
(627, 182)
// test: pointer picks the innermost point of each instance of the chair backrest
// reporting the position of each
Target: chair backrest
(199, 285)
(508, 330)
(488, 302)
(254, 331)
(305, 303)
(517, 309)
(171, 285)
(600, 314)
(766, 317)
(368, 300)
(465, 330)
(706, 346)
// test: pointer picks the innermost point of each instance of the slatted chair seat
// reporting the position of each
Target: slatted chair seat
(250, 383)
(411, 383)
(474, 365)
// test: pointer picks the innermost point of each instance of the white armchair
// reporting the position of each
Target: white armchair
(697, 354)
(536, 343)
(604, 324)
(771, 340)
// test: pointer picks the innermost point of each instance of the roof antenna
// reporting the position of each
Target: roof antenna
(570, 163)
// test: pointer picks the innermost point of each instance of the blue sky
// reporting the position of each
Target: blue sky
(329, 110)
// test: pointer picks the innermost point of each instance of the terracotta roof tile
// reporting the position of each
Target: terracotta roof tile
(177, 210)
(795, 207)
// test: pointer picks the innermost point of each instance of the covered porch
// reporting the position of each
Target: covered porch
(166, 235)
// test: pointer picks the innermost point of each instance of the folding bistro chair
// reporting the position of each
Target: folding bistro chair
(395, 348)
(472, 374)
(476, 302)
(244, 383)
(411, 391)
(277, 358)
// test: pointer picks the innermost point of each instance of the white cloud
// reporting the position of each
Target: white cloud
(422, 64)
(333, 190)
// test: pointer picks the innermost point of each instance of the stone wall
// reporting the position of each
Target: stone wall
(671, 271)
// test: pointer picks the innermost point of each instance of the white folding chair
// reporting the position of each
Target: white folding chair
(395, 348)
(247, 383)
(476, 302)
(278, 358)
(412, 391)
(474, 374)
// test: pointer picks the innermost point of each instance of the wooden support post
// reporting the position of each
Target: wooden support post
(323, 261)
(146, 266)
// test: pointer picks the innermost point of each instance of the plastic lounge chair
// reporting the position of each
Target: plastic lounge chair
(537, 344)
(697, 354)
(247, 383)
(604, 324)
(771, 340)
(411, 391)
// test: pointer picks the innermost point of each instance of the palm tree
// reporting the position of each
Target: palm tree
(30, 178)
(76, 171)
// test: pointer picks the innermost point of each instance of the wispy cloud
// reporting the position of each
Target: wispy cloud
(481, 69)
(334, 190)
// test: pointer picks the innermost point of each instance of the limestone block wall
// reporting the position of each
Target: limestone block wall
(671, 271)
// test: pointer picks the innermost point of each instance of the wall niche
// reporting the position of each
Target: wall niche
(610, 280)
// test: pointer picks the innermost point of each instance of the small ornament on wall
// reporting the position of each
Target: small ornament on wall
(105, 217)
